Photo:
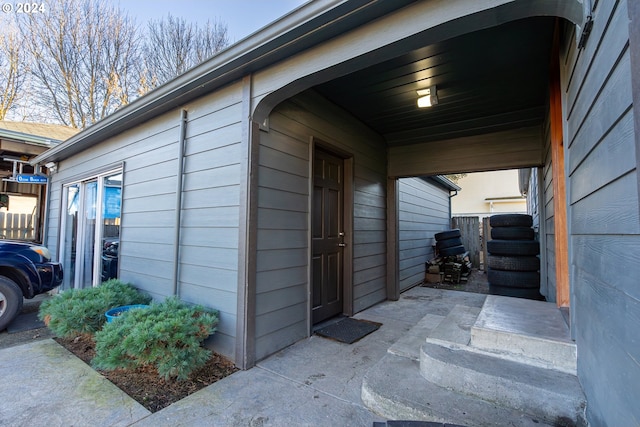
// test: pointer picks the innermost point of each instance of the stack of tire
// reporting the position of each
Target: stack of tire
(449, 243)
(513, 257)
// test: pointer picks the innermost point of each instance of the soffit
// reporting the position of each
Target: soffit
(487, 81)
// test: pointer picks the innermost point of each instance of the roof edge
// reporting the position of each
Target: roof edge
(28, 138)
(446, 182)
(267, 45)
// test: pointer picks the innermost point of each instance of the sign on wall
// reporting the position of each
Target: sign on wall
(26, 178)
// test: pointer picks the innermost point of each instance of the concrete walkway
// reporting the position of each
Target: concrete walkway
(316, 382)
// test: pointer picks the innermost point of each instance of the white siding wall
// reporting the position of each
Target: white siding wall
(209, 234)
(283, 259)
(603, 214)
(423, 210)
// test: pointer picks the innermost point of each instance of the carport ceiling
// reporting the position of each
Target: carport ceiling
(491, 80)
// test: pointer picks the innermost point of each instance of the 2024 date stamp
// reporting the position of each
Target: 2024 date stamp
(23, 8)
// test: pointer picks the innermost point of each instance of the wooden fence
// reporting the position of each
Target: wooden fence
(17, 226)
(470, 231)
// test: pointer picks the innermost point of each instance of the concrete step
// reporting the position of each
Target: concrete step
(533, 332)
(543, 393)
(393, 389)
(409, 344)
(455, 328)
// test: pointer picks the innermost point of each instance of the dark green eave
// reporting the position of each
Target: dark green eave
(309, 25)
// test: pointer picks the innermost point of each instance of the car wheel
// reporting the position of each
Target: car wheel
(513, 247)
(455, 250)
(512, 233)
(10, 301)
(448, 243)
(444, 235)
(514, 263)
(514, 279)
(511, 220)
(528, 293)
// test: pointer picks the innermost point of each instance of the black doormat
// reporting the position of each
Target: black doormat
(348, 330)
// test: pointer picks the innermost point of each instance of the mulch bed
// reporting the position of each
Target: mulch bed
(144, 384)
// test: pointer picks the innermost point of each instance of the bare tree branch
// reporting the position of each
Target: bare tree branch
(13, 70)
(83, 59)
(173, 46)
(83, 54)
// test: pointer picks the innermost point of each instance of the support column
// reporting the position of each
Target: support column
(246, 307)
(393, 280)
(560, 201)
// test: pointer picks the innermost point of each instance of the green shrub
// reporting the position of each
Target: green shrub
(166, 335)
(78, 311)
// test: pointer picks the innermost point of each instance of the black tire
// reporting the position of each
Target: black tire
(512, 233)
(447, 234)
(456, 250)
(529, 293)
(10, 301)
(514, 263)
(513, 247)
(448, 243)
(514, 279)
(511, 220)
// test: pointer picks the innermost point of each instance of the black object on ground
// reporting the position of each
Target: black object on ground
(511, 220)
(348, 330)
(449, 234)
(513, 261)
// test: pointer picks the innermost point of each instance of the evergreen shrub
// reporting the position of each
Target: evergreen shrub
(82, 311)
(166, 335)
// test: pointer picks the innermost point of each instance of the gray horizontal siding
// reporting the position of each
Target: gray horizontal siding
(549, 284)
(423, 210)
(369, 223)
(282, 241)
(603, 213)
(516, 148)
(282, 277)
(210, 204)
(208, 272)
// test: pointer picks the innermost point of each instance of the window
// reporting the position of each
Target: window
(90, 230)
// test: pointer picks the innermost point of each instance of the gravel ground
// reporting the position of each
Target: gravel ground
(476, 283)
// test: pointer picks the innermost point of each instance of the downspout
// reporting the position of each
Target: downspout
(44, 232)
(178, 219)
(455, 193)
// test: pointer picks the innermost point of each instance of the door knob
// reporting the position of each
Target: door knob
(342, 245)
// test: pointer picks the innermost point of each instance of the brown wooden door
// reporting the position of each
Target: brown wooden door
(328, 236)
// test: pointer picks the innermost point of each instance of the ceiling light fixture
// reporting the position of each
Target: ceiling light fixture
(427, 97)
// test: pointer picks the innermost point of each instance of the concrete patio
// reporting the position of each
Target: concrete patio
(392, 373)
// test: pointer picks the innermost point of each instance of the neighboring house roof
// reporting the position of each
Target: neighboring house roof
(446, 182)
(39, 133)
(21, 140)
(310, 24)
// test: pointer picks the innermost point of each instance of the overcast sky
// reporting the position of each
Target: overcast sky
(242, 17)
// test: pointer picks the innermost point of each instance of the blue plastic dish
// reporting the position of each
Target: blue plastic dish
(114, 313)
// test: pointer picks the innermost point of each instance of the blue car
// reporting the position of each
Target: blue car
(26, 270)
